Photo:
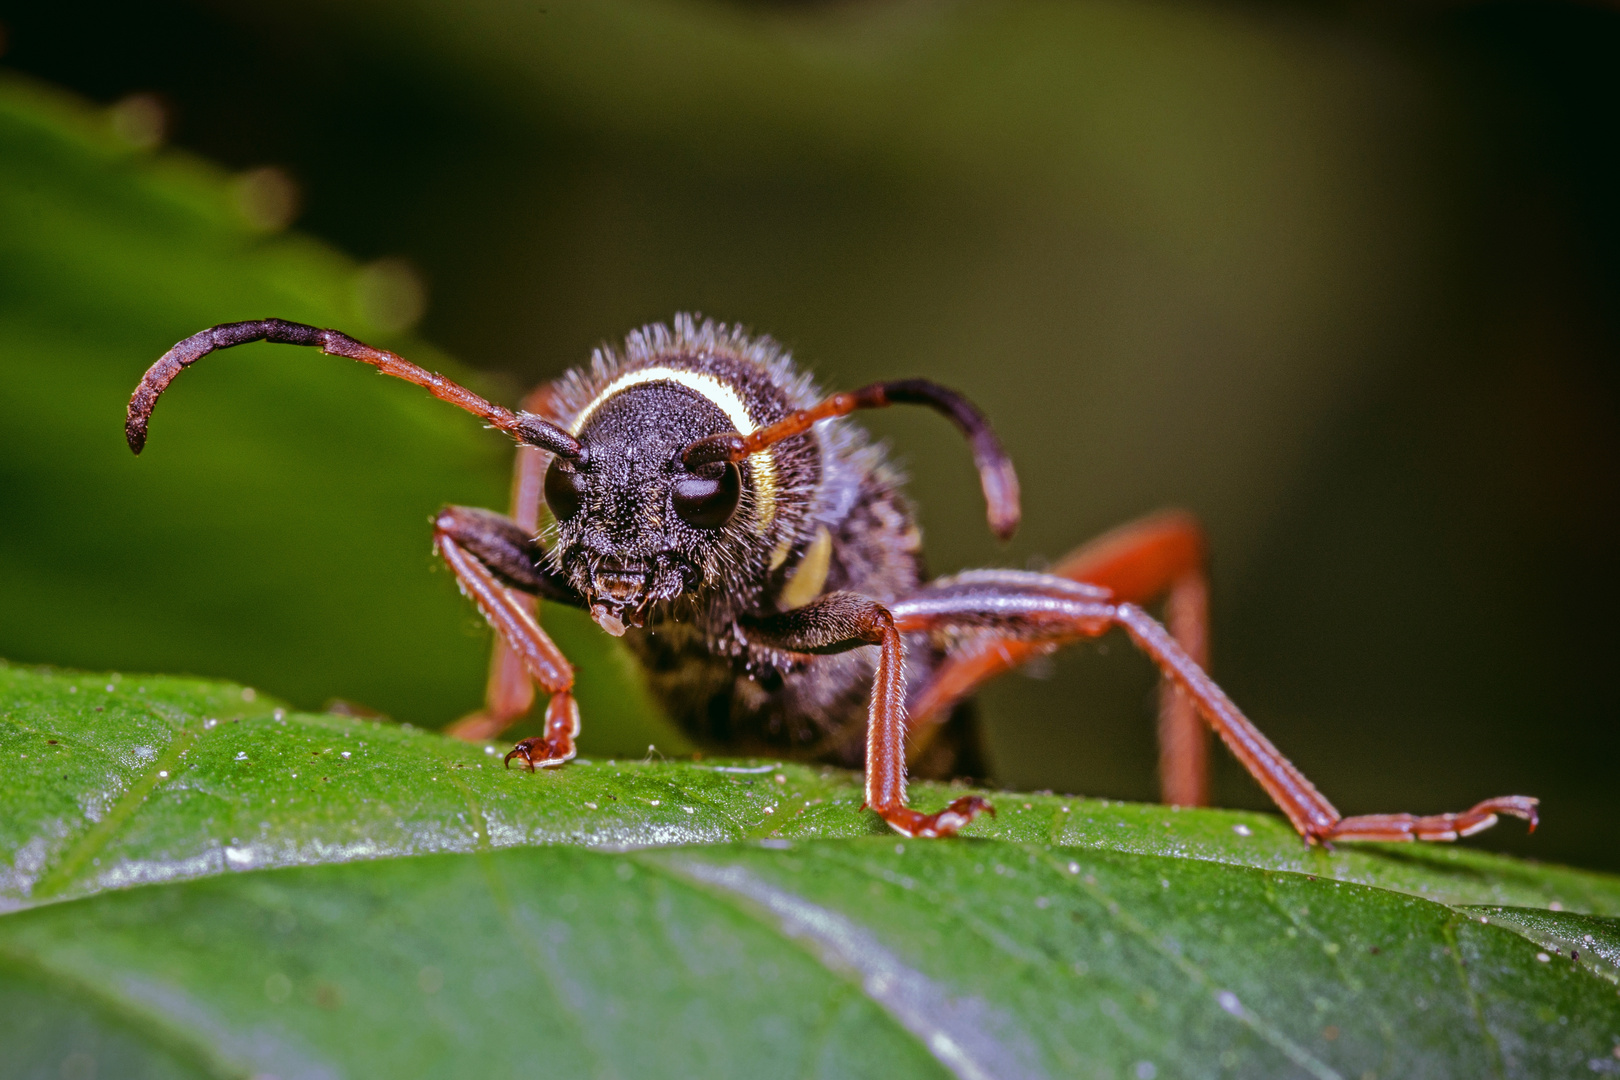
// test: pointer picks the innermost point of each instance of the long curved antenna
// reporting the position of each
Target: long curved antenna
(524, 427)
(996, 473)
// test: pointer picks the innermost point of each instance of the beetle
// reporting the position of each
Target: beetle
(754, 550)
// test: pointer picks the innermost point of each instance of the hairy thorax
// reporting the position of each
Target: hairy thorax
(724, 689)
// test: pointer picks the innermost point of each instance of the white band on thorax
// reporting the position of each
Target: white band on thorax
(719, 394)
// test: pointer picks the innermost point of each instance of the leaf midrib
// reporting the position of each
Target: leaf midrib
(185, 735)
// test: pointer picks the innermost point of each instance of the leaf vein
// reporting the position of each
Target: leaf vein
(99, 835)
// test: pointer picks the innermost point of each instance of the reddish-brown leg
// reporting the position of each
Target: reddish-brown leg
(886, 747)
(509, 694)
(1159, 555)
(510, 691)
(838, 622)
(1027, 608)
(510, 614)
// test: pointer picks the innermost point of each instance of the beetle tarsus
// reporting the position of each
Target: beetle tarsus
(914, 823)
(556, 746)
(540, 752)
(1436, 827)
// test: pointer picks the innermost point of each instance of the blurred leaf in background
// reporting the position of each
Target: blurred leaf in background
(277, 527)
(1341, 280)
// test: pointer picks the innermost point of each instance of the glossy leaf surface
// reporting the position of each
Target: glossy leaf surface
(414, 909)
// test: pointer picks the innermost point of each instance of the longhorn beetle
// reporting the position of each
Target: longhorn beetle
(753, 549)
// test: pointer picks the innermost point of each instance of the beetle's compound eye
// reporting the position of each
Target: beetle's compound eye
(565, 489)
(708, 497)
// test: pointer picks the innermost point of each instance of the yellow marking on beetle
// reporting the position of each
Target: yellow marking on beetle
(721, 396)
(807, 579)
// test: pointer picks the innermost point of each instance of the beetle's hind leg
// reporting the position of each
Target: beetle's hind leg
(1018, 606)
(493, 559)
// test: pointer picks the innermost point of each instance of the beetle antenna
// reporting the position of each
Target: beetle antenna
(996, 475)
(524, 427)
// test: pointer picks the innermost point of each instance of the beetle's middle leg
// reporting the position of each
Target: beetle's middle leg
(1162, 554)
(1029, 607)
(493, 559)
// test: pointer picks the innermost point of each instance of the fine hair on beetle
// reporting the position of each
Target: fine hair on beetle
(818, 512)
(753, 549)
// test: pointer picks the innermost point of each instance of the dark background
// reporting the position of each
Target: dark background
(1342, 280)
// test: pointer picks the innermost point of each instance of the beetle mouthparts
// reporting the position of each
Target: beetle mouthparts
(607, 620)
(621, 582)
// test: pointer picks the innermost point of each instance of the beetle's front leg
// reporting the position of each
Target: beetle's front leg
(509, 692)
(492, 558)
(839, 622)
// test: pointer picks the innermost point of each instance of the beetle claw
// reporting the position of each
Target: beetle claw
(914, 823)
(538, 753)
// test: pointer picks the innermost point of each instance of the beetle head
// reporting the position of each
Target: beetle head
(635, 526)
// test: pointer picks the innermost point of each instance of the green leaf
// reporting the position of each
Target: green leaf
(1592, 939)
(153, 778)
(331, 895)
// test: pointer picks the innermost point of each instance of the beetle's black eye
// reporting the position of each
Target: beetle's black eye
(708, 497)
(565, 489)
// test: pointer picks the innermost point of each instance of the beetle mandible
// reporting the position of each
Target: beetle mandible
(754, 550)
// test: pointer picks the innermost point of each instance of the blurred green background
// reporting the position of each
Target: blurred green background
(1342, 279)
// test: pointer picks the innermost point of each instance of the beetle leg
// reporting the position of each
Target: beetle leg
(1433, 826)
(839, 622)
(509, 693)
(1159, 555)
(1042, 608)
(490, 555)
(1165, 555)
